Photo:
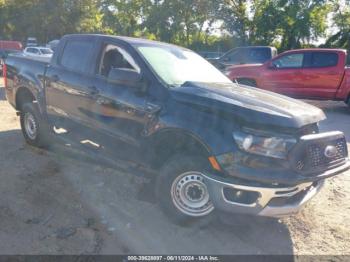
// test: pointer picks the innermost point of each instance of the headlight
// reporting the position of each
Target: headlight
(270, 146)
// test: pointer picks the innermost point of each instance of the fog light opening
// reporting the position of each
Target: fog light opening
(240, 196)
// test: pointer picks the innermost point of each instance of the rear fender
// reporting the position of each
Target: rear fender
(344, 88)
(31, 83)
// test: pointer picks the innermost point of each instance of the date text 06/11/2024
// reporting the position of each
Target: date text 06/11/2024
(172, 258)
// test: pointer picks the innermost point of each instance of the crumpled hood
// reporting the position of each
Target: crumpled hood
(250, 104)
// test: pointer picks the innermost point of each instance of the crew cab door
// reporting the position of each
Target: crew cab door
(69, 85)
(322, 74)
(118, 109)
(284, 74)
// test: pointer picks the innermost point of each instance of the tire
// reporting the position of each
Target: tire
(34, 128)
(179, 181)
(247, 82)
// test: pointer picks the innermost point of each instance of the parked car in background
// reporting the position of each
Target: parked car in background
(305, 73)
(10, 45)
(31, 41)
(212, 144)
(7, 47)
(244, 55)
(43, 53)
(4, 54)
(210, 55)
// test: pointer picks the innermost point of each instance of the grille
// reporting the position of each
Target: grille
(318, 158)
(314, 156)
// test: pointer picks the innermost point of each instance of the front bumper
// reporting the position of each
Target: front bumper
(270, 201)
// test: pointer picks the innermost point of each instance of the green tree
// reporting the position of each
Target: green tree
(124, 17)
(285, 23)
(302, 21)
(267, 16)
(47, 19)
(235, 15)
(180, 21)
(341, 21)
(290, 22)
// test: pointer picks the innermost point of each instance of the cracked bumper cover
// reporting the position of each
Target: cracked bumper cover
(271, 201)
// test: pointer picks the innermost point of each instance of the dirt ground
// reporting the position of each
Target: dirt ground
(52, 203)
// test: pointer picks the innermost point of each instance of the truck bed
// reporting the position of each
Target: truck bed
(30, 71)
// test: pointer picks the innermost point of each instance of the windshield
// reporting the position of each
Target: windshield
(46, 51)
(176, 66)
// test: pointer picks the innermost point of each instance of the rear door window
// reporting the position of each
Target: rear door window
(76, 55)
(324, 59)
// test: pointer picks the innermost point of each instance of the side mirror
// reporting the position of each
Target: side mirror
(124, 76)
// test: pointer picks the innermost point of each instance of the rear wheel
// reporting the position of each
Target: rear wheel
(34, 128)
(181, 190)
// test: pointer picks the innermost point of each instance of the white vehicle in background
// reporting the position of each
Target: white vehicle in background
(31, 41)
(40, 53)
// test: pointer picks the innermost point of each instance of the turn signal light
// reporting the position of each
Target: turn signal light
(214, 163)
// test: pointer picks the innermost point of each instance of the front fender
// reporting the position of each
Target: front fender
(214, 133)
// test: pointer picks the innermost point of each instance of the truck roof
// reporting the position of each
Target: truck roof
(316, 49)
(126, 39)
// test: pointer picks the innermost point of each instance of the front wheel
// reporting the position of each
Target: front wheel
(34, 128)
(181, 190)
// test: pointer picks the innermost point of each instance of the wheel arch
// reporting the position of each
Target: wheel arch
(166, 143)
(23, 95)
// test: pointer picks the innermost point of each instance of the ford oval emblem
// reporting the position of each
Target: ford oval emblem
(330, 152)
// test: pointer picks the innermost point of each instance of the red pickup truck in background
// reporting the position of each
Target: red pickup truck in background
(304, 73)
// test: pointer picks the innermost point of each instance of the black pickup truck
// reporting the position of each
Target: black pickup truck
(213, 144)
